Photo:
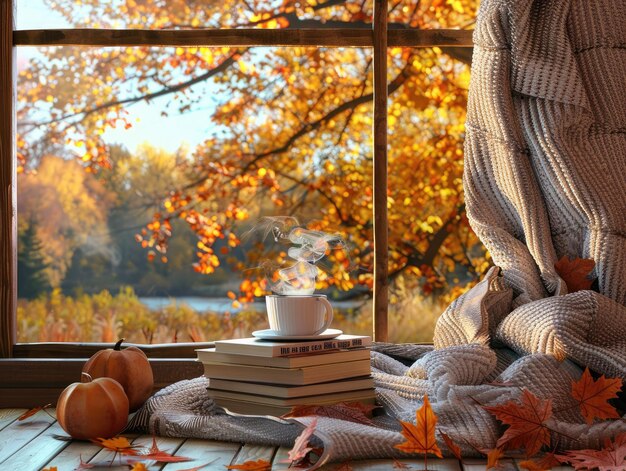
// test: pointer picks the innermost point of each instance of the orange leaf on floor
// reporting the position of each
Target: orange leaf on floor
(575, 272)
(453, 447)
(526, 422)
(154, 454)
(547, 462)
(420, 438)
(33, 411)
(592, 396)
(611, 457)
(139, 467)
(118, 445)
(493, 457)
(258, 465)
(350, 411)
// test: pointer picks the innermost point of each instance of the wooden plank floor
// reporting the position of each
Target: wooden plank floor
(30, 445)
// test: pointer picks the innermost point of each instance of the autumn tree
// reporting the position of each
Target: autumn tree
(292, 130)
(32, 279)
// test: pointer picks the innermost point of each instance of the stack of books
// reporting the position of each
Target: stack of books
(252, 376)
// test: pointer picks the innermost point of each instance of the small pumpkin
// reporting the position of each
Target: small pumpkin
(130, 367)
(95, 408)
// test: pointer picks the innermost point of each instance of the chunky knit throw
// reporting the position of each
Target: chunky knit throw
(545, 176)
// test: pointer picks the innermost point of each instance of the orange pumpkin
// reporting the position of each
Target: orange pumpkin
(93, 409)
(130, 367)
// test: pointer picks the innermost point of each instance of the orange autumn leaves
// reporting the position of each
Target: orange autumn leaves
(528, 426)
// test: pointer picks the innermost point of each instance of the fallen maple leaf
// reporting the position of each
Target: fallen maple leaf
(421, 436)
(117, 445)
(526, 423)
(258, 465)
(345, 466)
(33, 411)
(300, 448)
(547, 462)
(154, 454)
(139, 467)
(493, 457)
(52, 468)
(400, 465)
(350, 411)
(610, 458)
(575, 272)
(453, 447)
(592, 396)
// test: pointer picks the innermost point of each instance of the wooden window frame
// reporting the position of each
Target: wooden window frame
(36, 373)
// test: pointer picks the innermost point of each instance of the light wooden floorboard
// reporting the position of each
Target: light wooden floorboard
(481, 464)
(203, 452)
(434, 464)
(18, 434)
(72, 454)
(254, 453)
(38, 452)
(8, 416)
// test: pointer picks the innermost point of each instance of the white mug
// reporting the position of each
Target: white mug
(299, 315)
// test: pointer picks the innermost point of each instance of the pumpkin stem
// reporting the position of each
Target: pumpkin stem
(89, 378)
(118, 345)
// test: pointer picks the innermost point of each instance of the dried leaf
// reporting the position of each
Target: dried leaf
(350, 411)
(592, 396)
(258, 465)
(52, 468)
(610, 458)
(493, 457)
(421, 436)
(527, 423)
(154, 454)
(453, 447)
(300, 448)
(118, 445)
(33, 411)
(345, 466)
(547, 462)
(575, 272)
(139, 467)
(400, 465)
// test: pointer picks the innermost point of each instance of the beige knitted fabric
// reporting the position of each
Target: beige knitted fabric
(545, 176)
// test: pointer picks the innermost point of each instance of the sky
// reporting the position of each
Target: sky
(149, 126)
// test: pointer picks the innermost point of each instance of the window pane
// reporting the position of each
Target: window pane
(454, 14)
(141, 169)
(179, 14)
(434, 256)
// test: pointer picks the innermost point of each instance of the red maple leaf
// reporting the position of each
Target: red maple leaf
(526, 422)
(575, 272)
(592, 396)
(612, 457)
(33, 411)
(545, 463)
(493, 457)
(453, 447)
(155, 454)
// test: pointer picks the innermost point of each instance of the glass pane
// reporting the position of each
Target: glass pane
(143, 169)
(454, 14)
(179, 14)
(434, 256)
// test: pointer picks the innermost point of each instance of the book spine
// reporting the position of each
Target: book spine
(317, 347)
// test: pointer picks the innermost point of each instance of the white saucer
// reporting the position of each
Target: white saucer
(269, 334)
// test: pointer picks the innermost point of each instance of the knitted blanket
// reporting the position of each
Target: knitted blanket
(545, 176)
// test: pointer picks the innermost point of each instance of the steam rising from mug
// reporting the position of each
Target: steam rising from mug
(309, 247)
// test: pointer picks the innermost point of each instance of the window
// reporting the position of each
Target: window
(287, 32)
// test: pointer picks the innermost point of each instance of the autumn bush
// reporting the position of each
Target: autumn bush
(106, 317)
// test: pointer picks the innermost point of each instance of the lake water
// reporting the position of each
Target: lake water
(222, 305)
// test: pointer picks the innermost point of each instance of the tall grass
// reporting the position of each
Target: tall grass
(104, 317)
